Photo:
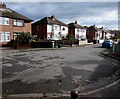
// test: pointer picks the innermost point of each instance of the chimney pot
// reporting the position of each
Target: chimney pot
(75, 22)
(52, 17)
(3, 5)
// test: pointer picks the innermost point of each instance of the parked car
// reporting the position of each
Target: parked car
(107, 43)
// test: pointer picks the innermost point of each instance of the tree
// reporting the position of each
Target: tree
(24, 38)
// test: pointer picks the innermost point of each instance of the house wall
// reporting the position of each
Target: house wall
(10, 28)
(40, 31)
(64, 32)
(55, 32)
(90, 35)
(71, 31)
(80, 33)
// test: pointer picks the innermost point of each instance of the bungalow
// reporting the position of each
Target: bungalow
(77, 30)
(94, 33)
(11, 24)
(49, 28)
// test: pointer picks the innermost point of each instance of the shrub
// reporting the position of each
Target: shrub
(70, 37)
(24, 38)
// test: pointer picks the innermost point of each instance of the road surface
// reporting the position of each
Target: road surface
(57, 71)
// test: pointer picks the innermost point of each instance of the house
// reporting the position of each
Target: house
(104, 34)
(49, 28)
(77, 30)
(94, 33)
(11, 24)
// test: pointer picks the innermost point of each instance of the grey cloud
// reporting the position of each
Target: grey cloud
(65, 11)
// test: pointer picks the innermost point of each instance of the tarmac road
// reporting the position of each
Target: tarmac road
(57, 71)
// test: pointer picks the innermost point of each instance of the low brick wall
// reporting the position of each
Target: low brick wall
(18, 46)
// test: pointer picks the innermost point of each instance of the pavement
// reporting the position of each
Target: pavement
(85, 91)
(111, 54)
(8, 50)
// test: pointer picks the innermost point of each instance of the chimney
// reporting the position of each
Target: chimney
(75, 22)
(52, 17)
(3, 5)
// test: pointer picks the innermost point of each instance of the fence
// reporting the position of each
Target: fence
(62, 43)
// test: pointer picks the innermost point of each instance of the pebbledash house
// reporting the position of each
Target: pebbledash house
(78, 31)
(49, 28)
(11, 24)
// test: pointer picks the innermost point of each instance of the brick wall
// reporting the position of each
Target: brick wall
(71, 31)
(90, 34)
(40, 31)
(10, 28)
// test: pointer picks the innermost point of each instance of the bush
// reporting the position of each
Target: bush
(70, 37)
(24, 38)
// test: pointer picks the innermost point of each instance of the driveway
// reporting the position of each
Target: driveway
(56, 71)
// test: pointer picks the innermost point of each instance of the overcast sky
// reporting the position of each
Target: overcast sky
(86, 13)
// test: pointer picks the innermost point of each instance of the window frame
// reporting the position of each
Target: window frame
(16, 22)
(4, 21)
(4, 36)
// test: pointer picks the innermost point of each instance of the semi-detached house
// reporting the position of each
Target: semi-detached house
(94, 33)
(11, 24)
(49, 28)
(78, 31)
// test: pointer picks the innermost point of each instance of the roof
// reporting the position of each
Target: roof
(50, 20)
(102, 29)
(6, 12)
(75, 25)
(93, 28)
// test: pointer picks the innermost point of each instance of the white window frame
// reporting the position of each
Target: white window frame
(4, 21)
(18, 22)
(4, 36)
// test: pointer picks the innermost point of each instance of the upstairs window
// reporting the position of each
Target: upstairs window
(18, 23)
(4, 21)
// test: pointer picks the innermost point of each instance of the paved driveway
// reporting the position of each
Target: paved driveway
(55, 71)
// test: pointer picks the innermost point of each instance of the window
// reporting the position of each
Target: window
(4, 36)
(49, 28)
(63, 29)
(56, 27)
(4, 21)
(18, 23)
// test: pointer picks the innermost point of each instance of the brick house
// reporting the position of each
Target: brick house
(11, 24)
(94, 33)
(77, 30)
(49, 28)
